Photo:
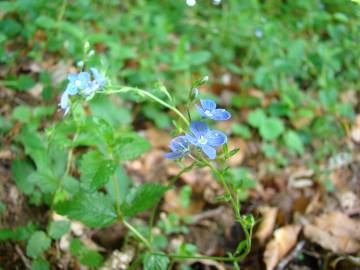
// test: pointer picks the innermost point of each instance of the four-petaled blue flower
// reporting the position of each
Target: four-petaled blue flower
(179, 147)
(208, 110)
(97, 84)
(205, 138)
(77, 82)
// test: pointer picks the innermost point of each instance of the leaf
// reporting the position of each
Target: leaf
(267, 223)
(58, 228)
(85, 255)
(156, 262)
(95, 170)
(293, 142)
(40, 264)
(335, 231)
(38, 243)
(284, 240)
(25, 82)
(256, 118)
(130, 146)
(142, 198)
(94, 210)
(271, 128)
(21, 170)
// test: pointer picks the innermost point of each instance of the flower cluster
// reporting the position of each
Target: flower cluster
(82, 84)
(201, 136)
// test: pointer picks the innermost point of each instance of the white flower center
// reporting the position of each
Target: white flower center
(208, 113)
(78, 83)
(202, 140)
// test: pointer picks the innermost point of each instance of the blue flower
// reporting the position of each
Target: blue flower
(98, 83)
(179, 147)
(205, 138)
(77, 82)
(99, 79)
(64, 102)
(208, 110)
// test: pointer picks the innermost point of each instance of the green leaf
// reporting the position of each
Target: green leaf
(142, 198)
(85, 255)
(293, 142)
(156, 262)
(94, 210)
(256, 118)
(95, 170)
(38, 243)
(40, 264)
(58, 228)
(21, 170)
(124, 182)
(130, 146)
(25, 82)
(271, 128)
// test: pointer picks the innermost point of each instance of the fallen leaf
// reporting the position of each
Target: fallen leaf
(267, 225)
(283, 241)
(335, 231)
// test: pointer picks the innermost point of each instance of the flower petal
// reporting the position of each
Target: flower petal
(64, 101)
(174, 155)
(192, 139)
(216, 138)
(209, 151)
(208, 104)
(179, 144)
(199, 128)
(200, 111)
(220, 115)
(71, 89)
(72, 77)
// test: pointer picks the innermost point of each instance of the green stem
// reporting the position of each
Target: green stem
(137, 234)
(116, 194)
(171, 182)
(199, 257)
(124, 89)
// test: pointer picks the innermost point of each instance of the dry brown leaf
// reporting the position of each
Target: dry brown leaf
(335, 231)
(284, 240)
(267, 225)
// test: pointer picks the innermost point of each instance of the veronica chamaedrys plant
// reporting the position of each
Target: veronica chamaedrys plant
(195, 141)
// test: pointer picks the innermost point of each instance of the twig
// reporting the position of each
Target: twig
(284, 262)
(208, 214)
(25, 260)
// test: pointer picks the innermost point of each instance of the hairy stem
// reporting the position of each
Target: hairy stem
(124, 89)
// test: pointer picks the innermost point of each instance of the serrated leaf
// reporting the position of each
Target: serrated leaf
(95, 170)
(58, 228)
(94, 210)
(21, 170)
(142, 198)
(130, 146)
(38, 243)
(156, 262)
